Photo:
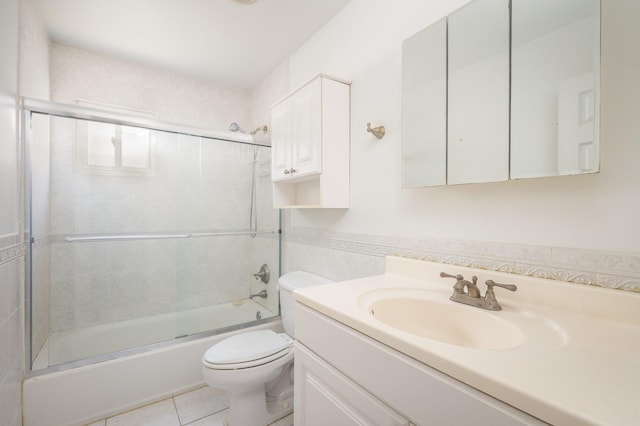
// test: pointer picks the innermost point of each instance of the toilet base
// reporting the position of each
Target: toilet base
(263, 403)
(250, 408)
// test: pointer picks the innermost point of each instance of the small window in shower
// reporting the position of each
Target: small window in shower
(110, 149)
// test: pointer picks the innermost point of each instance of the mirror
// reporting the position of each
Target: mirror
(478, 107)
(478, 93)
(555, 87)
(424, 107)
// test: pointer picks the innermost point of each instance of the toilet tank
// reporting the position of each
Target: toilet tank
(288, 283)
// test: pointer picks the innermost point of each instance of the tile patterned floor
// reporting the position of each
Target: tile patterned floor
(202, 407)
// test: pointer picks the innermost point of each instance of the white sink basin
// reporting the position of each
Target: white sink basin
(429, 314)
(446, 323)
(422, 314)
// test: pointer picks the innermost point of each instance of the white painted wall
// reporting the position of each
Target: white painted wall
(363, 44)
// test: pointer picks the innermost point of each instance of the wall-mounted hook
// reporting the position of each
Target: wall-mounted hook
(378, 132)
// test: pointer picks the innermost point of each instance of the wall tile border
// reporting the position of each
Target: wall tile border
(41, 242)
(10, 248)
(590, 267)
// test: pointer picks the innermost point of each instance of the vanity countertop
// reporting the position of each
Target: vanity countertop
(578, 364)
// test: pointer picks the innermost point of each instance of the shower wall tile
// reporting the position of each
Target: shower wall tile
(11, 337)
(167, 152)
(40, 296)
(333, 264)
(62, 296)
(188, 159)
(264, 250)
(5, 359)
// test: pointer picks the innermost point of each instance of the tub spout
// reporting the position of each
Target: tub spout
(262, 294)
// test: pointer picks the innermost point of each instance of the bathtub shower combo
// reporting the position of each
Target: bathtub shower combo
(142, 233)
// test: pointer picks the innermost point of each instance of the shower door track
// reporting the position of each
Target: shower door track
(29, 105)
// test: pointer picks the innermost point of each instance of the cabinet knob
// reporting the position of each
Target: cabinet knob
(292, 170)
(286, 171)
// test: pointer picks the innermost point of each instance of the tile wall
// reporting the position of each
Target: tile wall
(343, 256)
(11, 327)
(11, 247)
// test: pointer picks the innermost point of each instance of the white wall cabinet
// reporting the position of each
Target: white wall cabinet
(341, 372)
(310, 146)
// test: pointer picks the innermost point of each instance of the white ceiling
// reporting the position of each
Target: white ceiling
(219, 40)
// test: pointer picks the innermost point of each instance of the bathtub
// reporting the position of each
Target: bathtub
(71, 345)
(90, 392)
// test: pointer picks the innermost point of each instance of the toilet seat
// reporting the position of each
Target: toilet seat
(246, 350)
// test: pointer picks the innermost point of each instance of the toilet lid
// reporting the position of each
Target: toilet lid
(246, 347)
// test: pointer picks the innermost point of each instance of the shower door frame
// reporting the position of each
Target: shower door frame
(29, 106)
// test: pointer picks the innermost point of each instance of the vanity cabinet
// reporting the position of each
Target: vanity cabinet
(328, 397)
(310, 146)
(345, 377)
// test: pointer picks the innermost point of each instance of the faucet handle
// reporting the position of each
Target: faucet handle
(264, 274)
(492, 283)
(490, 301)
(461, 283)
(457, 277)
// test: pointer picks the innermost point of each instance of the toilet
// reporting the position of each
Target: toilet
(256, 367)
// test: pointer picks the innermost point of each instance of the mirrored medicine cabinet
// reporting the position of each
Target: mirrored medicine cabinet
(502, 89)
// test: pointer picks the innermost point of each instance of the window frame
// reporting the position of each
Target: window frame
(81, 137)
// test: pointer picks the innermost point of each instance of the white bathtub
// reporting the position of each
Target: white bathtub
(86, 342)
(81, 395)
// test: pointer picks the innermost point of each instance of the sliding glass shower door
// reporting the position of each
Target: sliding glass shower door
(141, 236)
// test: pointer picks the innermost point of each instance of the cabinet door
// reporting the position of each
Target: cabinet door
(323, 396)
(281, 140)
(306, 120)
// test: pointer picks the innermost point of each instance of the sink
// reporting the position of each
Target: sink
(431, 315)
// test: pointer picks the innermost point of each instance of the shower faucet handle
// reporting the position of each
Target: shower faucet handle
(263, 275)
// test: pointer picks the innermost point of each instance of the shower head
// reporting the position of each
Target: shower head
(235, 128)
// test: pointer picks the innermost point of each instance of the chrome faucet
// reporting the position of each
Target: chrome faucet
(262, 294)
(472, 296)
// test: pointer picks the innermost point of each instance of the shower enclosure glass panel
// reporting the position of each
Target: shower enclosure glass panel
(143, 236)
